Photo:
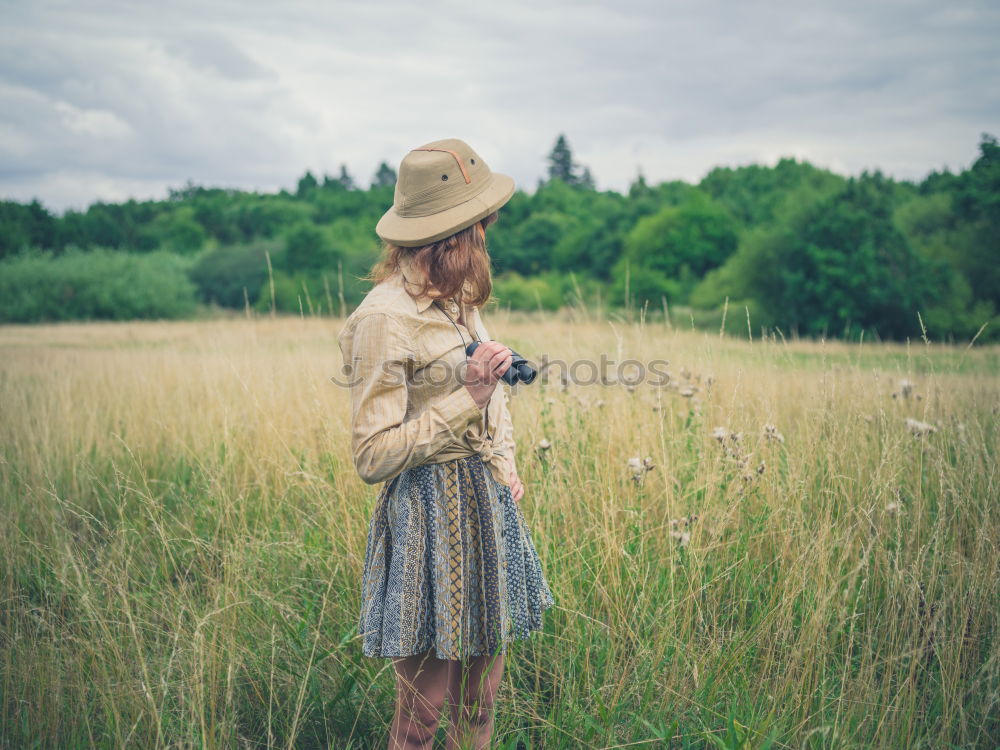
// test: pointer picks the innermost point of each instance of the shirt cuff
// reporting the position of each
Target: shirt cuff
(459, 410)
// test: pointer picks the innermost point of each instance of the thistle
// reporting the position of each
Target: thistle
(638, 468)
(682, 537)
(770, 433)
(918, 428)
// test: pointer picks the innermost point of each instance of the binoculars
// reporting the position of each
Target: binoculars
(519, 369)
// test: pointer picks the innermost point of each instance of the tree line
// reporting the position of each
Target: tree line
(804, 250)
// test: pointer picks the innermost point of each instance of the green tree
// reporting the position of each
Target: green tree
(25, 226)
(345, 178)
(269, 215)
(561, 164)
(223, 275)
(837, 264)
(307, 184)
(309, 247)
(669, 251)
(754, 194)
(384, 177)
(977, 205)
(178, 230)
(594, 240)
(535, 239)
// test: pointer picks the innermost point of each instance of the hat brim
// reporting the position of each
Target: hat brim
(422, 230)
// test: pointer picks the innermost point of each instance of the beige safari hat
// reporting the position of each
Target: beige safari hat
(443, 187)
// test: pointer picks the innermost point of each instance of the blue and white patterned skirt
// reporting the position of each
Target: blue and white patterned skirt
(449, 565)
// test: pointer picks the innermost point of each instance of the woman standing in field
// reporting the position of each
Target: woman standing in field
(450, 574)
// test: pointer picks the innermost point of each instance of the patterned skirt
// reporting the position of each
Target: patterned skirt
(449, 566)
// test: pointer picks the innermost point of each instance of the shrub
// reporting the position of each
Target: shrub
(522, 293)
(95, 284)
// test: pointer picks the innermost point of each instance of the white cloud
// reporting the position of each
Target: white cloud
(103, 100)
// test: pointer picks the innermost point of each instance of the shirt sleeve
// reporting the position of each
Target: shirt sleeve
(383, 445)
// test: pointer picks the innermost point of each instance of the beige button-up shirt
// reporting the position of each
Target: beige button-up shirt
(408, 404)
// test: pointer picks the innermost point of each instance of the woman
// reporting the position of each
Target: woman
(450, 574)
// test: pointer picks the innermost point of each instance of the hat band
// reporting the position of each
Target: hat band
(436, 200)
(457, 158)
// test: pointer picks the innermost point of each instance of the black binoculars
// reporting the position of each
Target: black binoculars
(519, 369)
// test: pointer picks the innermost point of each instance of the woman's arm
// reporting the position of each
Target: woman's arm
(383, 444)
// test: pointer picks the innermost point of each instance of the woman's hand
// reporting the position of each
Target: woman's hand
(516, 488)
(484, 368)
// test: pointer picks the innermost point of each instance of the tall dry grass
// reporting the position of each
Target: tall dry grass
(184, 532)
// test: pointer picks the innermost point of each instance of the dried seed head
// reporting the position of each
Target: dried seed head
(771, 433)
(918, 428)
(638, 468)
(682, 537)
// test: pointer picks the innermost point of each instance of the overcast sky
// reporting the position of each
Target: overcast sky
(110, 100)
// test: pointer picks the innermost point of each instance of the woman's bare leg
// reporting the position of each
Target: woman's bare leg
(472, 692)
(421, 690)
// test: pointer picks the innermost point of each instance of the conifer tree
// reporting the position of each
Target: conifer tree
(385, 176)
(561, 165)
(345, 178)
(307, 183)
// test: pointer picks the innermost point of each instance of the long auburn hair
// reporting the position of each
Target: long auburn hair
(446, 264)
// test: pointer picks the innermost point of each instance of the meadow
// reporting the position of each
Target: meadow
(792, 544)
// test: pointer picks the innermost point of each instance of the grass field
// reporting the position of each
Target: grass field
(184, 530)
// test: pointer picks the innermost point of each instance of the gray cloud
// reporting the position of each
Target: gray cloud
(113, 99)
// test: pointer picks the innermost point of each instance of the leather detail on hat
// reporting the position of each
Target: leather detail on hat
(457, 158)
